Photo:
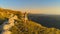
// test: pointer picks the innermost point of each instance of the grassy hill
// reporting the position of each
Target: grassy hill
(32, 28)
(29, 27)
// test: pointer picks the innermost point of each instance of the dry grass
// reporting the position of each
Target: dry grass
(29, 27)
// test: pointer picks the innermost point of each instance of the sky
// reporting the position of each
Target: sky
(34, 6)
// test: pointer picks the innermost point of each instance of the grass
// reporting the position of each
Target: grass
(29, 27)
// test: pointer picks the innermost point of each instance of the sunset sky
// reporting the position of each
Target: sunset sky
(35, 6)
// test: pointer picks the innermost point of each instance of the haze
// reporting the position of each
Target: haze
(33, 6)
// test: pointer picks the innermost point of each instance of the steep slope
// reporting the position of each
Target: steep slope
(32, 28)
(7, 19)
(20, 27)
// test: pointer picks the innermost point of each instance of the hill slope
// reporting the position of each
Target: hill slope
(32, 28)
(21, 27)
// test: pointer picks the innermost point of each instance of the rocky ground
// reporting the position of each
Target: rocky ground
(20, 27)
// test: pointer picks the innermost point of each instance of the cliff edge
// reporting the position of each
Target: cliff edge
(19, 26)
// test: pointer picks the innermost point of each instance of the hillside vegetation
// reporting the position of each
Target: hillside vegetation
(21, 27)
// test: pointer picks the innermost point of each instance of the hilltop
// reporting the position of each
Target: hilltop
(20, 27)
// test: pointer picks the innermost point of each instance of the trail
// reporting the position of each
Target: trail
(7, 25)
